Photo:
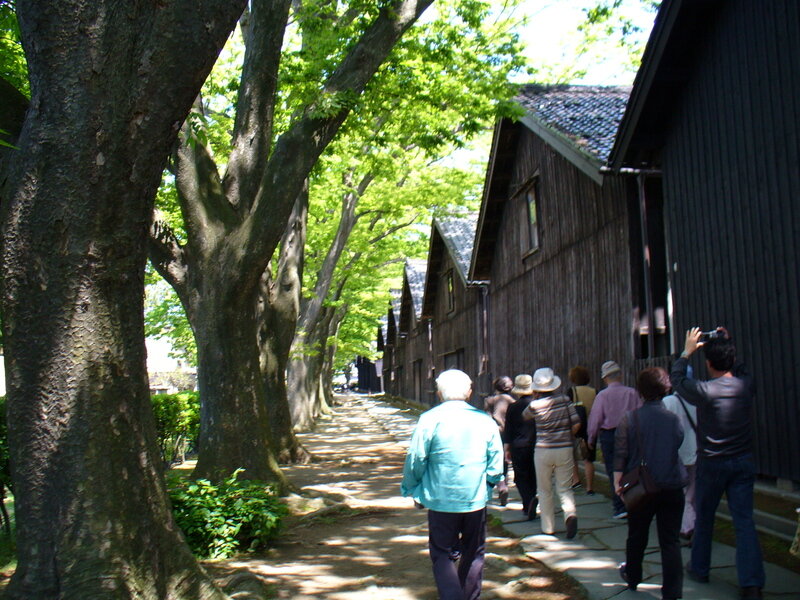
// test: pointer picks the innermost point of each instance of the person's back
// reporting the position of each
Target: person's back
(552, 415)
(661, 435)
(455, 442)
(652, 434)
(454, 457)
(497, 407)
(724, 413)
(518, 432)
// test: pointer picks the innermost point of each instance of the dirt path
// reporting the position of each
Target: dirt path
(371, 543)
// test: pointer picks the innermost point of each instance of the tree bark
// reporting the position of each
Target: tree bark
(109, 82)
(280, 304)
(236, 420)
(307, 365)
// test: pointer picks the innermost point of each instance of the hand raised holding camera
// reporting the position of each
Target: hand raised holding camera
(692, 341)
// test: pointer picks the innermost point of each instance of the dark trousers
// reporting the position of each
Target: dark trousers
(667, 508)
(464, 532)
(524, 474)
(735, 478)
(606, 438)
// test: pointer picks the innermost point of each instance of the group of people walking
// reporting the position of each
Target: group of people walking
(459, 453)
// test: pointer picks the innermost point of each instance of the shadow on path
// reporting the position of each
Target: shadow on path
(361, 540)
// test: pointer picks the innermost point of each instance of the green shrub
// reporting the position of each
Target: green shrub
(234, 516)
(177, 423)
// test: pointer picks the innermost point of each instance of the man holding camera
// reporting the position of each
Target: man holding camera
(725, 457)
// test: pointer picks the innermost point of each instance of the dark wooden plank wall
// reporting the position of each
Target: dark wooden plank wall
(389, 353)
(570, 303)
(731, 182)
(410, 349)
(459, 329)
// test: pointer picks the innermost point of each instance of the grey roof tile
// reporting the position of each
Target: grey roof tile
(415, 273)
(458, 234)
(588, 115)
(396, 298)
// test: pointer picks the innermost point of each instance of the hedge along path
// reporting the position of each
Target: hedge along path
(353, 537)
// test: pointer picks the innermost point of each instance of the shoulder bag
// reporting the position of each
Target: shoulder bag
(638, 485)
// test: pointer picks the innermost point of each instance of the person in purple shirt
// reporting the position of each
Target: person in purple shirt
(609, 407)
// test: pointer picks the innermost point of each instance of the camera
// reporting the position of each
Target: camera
(706, 336)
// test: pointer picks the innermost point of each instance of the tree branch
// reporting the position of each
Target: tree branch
(167, 255)
(392, 230)
(263, 28)
(299, 148)
(205, 208)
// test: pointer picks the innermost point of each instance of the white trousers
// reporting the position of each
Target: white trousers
(558, 462)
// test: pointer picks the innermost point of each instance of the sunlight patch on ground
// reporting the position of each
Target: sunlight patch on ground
(410, 539)
(374, 592)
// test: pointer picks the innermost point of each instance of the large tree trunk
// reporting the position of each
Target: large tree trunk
(233, 412)
(307, 397)
(303, 383)
(280, 304)
(109, 81)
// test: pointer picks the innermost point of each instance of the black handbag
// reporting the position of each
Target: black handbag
(638, 485)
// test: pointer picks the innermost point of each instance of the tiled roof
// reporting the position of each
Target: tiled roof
(459, 235)
(397, 296)
(588, 115)
(415, 272)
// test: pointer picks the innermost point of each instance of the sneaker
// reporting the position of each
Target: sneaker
(576, 485)
(620, 515)
(695, 576)
(590, 492)
(572, 527)
(751, 593)
(624, 574)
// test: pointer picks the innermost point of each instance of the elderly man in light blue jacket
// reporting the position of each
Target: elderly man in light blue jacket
(454, 460)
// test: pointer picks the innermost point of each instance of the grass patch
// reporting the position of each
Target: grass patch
(775, 550)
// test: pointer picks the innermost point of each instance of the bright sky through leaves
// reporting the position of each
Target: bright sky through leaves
(553, 39)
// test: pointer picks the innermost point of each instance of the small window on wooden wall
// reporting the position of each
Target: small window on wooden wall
(454, 360)
(532, 205)
(450, 291)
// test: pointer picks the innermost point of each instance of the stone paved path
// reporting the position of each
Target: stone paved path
(370, 543)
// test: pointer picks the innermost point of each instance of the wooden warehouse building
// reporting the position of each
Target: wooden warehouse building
(612, 220)
(713, 124)
(452, 303)
(554, 237)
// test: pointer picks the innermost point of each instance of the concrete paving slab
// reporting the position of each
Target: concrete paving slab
(593, 557)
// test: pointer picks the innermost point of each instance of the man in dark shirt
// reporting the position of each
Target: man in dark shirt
(725, 458)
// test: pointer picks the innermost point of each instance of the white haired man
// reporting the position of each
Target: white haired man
(454, 459)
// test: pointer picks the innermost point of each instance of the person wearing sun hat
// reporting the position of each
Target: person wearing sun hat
(557, 422)
(519, 437)
(610, 405)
